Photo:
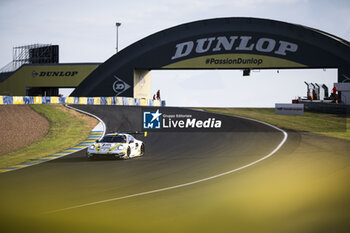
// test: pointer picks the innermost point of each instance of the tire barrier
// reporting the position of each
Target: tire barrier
(125, 101)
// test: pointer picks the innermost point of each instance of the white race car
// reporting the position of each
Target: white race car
(118, 145)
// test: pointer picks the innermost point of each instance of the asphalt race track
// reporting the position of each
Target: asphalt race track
(171, 159)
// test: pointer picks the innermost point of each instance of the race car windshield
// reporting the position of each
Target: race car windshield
(113, 139)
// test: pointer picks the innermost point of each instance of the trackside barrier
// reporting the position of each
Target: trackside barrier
(126, 101)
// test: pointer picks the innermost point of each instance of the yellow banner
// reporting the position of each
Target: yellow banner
(70, 100)
(97, 100)
(83, 100)
(109, 100)
(1, 100)
(131, 101)
(143, 102)
(17, 100)
(37, 100)
(119, 100)
(156, 103)
(54, 100)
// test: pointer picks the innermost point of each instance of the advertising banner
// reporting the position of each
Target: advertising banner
(223, 43)
(82, 100)
(46, 100)
(37, 100)
(78, 100)
(17, 100)
(55, 100)
(28, 100)
(289, 109)
(7, 100)
(109, 100)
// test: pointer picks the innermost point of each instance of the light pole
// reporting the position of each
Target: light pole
(118, 25)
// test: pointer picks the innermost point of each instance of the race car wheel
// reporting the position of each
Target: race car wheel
(128, 152)
(142, 150)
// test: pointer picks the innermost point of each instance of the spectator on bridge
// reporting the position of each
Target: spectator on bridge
(334, 90)
(314, 95)
(158, 95)
(309, 97)
(334, 95)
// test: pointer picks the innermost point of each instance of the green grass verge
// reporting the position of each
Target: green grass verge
(319, 123)
(65, 131)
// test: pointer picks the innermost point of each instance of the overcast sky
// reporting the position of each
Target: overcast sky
(85, 31)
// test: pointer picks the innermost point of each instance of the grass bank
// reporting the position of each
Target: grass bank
(67, 128)
(319, 123)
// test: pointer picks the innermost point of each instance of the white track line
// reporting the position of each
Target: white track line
(90, 114)
(285, 136)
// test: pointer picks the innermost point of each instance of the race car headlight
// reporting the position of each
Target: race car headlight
(120, 147)
(92, 147)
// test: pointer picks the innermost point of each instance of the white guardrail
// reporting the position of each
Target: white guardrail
(128, 101)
